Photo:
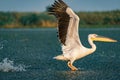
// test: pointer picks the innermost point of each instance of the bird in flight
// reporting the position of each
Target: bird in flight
(68, 24)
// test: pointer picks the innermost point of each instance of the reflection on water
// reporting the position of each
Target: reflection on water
(86, 75)
(73, 75)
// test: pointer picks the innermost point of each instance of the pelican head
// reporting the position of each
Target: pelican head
(95, 37)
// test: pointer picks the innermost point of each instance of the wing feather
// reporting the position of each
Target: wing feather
(67, 23)
(59, 10)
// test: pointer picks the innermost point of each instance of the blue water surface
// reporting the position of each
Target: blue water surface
(35, 48)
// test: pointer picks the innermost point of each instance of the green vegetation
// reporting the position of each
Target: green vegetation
(36, 20)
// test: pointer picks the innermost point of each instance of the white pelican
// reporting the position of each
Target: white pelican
(68, 23)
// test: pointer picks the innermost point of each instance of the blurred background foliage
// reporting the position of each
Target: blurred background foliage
(42, 19)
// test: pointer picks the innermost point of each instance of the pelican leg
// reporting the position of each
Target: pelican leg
(73, 68)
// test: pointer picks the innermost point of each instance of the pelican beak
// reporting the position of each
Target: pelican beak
(103, 39)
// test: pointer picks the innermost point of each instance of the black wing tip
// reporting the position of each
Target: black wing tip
(58, 9)
(58, 5)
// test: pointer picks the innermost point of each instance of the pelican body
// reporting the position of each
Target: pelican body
(68, 24)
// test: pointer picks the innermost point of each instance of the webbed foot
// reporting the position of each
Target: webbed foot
(73, 68)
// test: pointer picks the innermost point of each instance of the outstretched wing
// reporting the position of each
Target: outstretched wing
(67, 23)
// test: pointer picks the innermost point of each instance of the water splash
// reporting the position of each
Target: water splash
(8, 66)
(2, 43)
(1, 46)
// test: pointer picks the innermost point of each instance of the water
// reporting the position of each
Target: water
(34, 50)
(7, 65)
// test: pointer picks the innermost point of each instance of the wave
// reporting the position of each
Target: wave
(8, 66)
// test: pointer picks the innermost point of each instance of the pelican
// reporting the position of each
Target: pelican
(68, 23)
